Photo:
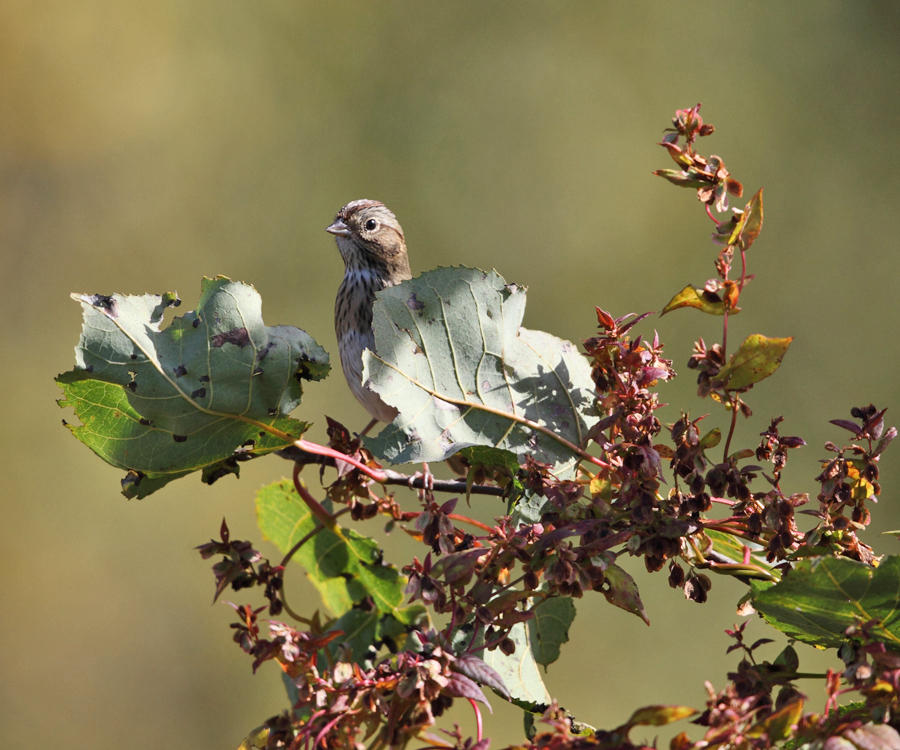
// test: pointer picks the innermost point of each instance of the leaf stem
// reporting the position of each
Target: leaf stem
(315, 507)
(724, 332)
(478, 721)
(734, 411)
(324, 450)
(470, 521)
(747, 569)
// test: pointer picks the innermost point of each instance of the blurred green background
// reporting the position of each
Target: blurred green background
(147, 144)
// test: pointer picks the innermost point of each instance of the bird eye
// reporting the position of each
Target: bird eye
(371, 224)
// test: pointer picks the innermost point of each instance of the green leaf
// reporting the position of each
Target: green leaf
(212, 388)
(346, 567)
(819, 599)
(258, 737)
(454, 360)
(290, 688)
(363, 630)
(623, 591)
(699, 299)
(529, 509)
(519, 671)
(549, 628)
(491, 459)
(756, 359)
(711, 439)
(495, 464)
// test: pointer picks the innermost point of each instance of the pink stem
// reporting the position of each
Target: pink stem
(324, 450)
(478, 720)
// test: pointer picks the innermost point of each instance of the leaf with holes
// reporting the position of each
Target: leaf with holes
(212, 388)
(453, 359)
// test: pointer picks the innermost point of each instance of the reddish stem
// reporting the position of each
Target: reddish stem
(471, 521)
(743, 279)
(724, 333)
(478, 720)
(315, 507)
(327, 728)
(388, 477)
(734, 411)
(324, 450)
(726, 529)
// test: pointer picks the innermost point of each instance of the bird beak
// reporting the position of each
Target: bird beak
(339, 228)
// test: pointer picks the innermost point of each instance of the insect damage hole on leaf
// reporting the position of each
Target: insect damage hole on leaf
(139, 388)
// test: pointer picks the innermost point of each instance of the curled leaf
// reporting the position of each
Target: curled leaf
(476, 669)
(750, 224)
(699, 299)
(461, 686)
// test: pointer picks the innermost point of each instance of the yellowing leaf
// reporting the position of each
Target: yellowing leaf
(601, 487)
(757, 358)
(711, 439)
(656, 716)
(750, 225)
(778, 725)
(699, 299)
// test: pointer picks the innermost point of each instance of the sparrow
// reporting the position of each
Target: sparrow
(372, 245)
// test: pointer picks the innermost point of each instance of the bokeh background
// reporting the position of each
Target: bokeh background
(144, 145)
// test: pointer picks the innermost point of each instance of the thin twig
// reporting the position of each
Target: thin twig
(734, 410)
(315, 507)
(301, 454)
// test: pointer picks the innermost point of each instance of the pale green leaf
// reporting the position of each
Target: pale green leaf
(454, 359)
(519, 671)
(212, 388)
(549, 628)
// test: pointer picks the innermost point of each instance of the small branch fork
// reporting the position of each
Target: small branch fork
(305, 452)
